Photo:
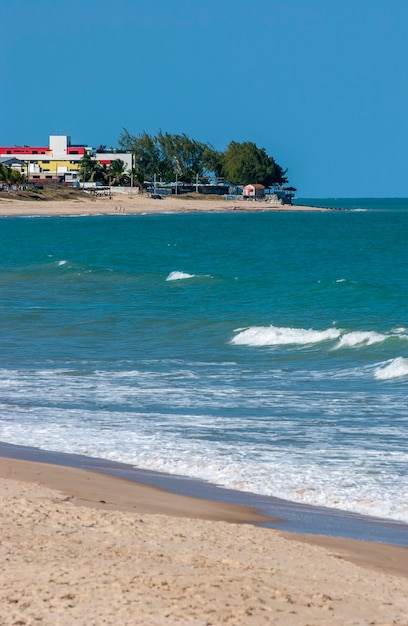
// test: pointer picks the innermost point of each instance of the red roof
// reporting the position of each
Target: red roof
(23, 150)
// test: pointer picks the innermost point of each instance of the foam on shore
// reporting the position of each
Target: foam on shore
(74, 554)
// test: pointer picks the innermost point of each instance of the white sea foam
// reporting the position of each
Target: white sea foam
(396, 368)
(59, 263)
(401, 332)
(258, 336)
(95, 414)
(301, 478)
(276, 336)
(179, 276)
(360, 338)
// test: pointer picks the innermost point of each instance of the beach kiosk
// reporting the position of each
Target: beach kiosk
(254, 192)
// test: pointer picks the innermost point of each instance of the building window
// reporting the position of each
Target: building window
(45, 161)
(35, 176)
(48, 176)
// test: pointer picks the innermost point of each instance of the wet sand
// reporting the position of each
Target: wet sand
(82, 547)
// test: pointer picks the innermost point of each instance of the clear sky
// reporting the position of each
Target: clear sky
(322, 85)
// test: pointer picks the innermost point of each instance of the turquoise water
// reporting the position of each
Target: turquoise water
(265, 352)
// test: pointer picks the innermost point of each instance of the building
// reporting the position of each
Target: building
(256, 191)
(105, 158)
(15, 164)
(59, 161)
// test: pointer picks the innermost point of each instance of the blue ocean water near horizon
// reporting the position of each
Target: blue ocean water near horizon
(265, 352)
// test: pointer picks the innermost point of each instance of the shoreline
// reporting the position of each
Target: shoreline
(272, 512)
(82, 547)
(183, 496)
(86, 542)
(102, 491)
(138, 204)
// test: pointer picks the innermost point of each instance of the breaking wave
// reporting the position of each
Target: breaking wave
(280, 336)
(396, 368)
(179, 276)
(276, 336)
(360, 338)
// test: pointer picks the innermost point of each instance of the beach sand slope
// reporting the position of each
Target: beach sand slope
(64, 563)
(122, 204)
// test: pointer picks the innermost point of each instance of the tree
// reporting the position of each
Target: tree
(158, 155)
(91, 171)
(213, 161)
(188, 154)
(2, 173)
(145, 151)
(116, 172)
(161, 155)
(11, 177)
(245, 163)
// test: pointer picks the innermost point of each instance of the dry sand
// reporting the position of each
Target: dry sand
(136, 204)
(80, 548)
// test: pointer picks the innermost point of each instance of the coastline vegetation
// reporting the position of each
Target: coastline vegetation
(10, 177)
(115, 174)
(178, 157)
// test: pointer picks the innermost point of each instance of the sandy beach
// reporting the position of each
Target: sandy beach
(85, 548)
(135, 203)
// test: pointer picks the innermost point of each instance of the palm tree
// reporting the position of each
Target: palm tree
(116, 172)
(2, 173)
(11, 177)
(90, 170)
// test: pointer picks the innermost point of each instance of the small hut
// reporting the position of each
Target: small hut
(255, 192)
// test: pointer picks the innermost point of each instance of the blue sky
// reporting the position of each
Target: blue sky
(320, 84)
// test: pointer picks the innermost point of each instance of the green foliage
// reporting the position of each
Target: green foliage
(87, 168)
(145, 151)
(91, 171)
(245, 163)
(11, 177)
(117, 174)
(169, 156)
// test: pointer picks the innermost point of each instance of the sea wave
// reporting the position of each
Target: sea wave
(359, 338)
(395, 368)
(179, 276)
(277, 336)
(280, 336)
(211, 422)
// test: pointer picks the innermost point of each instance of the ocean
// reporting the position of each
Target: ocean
(262, 352)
